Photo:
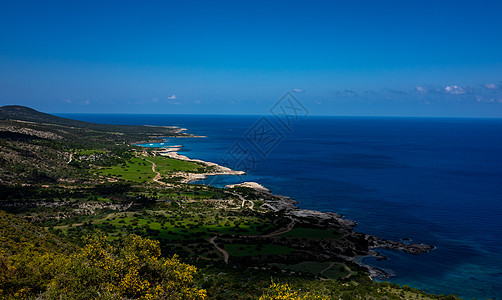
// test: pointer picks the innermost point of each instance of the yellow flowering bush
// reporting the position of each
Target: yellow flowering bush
(279, 291)
(141, 248)
(27, 272)
(132, 268)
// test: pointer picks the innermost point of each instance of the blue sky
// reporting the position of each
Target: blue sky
(389, 58)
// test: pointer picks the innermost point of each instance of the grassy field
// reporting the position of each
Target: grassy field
(196, 222)
(306, 267)
(311, 233)
(138, 169)
(254, 250)
(186, 229)
(334, 270)
(188, 191)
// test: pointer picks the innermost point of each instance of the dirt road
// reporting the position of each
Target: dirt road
(223, 251)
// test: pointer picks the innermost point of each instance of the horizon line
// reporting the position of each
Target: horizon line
(264, 115)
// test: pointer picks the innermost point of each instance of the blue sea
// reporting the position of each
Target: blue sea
(432, 180)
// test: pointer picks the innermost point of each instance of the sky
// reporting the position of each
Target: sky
(362, 58)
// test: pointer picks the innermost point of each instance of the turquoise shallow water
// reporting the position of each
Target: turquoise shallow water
(436, 181)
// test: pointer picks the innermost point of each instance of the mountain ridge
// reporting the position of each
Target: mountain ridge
(24, 113)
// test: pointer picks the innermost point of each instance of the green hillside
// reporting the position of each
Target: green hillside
(26, 114)
(86, 214)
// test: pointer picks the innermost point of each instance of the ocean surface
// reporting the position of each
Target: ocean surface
(432, 180)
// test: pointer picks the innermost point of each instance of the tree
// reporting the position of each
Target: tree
(130, 268)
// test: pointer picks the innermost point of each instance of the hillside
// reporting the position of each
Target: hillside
(35, 147)
(26, 114)
(23, 113)
(16, 234)
(61, 184)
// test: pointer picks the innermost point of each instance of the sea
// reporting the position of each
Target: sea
(431, 180)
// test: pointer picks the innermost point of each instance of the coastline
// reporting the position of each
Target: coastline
(288, 207)
(217, 169)
(364, 245)
(387, 190)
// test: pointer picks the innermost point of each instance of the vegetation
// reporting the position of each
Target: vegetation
(313, 233)
(130, 268)
(82, 217)
(254, 250)
(139, 169)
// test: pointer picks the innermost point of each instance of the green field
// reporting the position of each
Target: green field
(178, 225)
(254, 250)
(334, 270)
(312, 233)
(306, 267)
(138, 169)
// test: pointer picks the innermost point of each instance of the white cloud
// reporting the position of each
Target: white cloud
(66, 100)
(172, 97)
(454, 90)
(298, 90)
(481, 99)
(420, 89)
(491, 86)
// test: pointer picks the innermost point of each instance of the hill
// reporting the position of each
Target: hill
(36, 147)
(26, 114)
(23, 113)
(16, 234)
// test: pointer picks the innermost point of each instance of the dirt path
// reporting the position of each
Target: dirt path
(284, 230)
(157, 176)
(331, 264)
(223, 251)
(244, 201)
(251, 207)
(350, 271)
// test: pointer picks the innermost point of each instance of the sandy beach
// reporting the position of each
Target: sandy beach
(217, 169)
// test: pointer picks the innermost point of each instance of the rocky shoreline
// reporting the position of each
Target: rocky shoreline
(364, 245)
(354, 247)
